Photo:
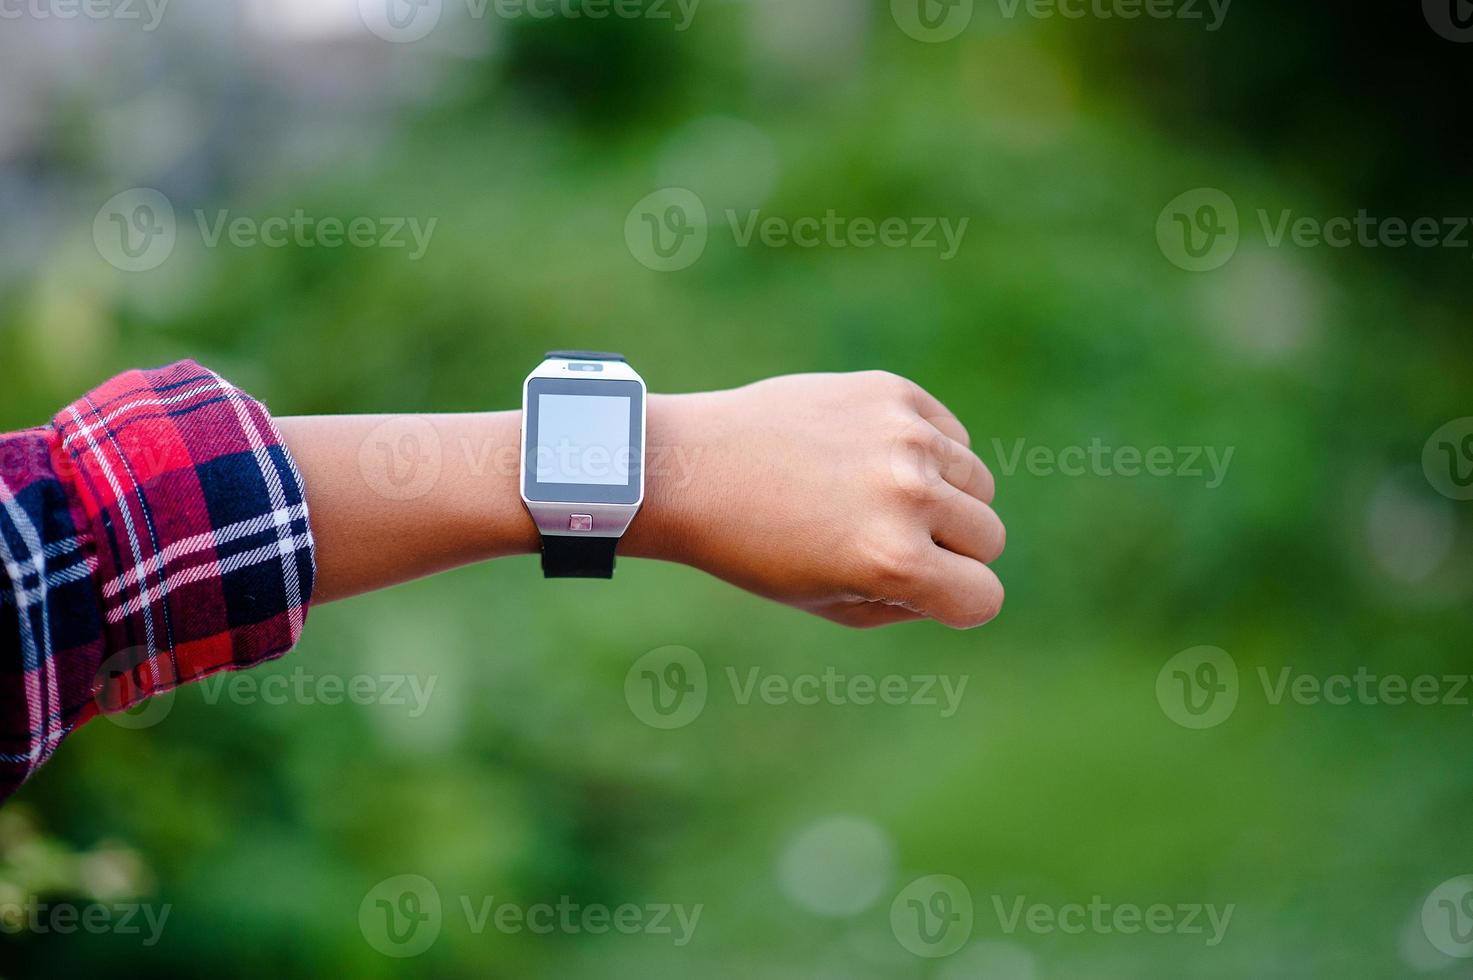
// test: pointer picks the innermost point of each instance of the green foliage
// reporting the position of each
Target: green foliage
(1059, 323)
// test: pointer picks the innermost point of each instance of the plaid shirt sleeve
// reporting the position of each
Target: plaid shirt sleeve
(155, 533)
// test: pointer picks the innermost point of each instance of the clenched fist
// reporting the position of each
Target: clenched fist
(853, 496)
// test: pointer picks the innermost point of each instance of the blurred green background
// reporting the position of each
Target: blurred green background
(529, 776)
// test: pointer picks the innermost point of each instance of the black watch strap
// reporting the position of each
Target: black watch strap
(572, 557)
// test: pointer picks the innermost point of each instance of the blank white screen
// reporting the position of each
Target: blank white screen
(583, 439)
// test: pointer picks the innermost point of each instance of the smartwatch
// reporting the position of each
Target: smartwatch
(582, 458)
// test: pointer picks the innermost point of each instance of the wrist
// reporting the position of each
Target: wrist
(502, 525)
(662, 528)
(673, 443)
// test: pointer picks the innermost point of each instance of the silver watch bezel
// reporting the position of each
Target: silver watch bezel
(553, 517)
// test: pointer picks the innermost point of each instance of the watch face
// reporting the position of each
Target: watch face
(584, 441)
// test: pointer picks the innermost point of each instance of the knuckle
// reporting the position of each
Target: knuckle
(917, 463)
(891, 564)
(909, 453)
(914, 494)
(918, 445)
(888, 381)
(917, 438)
(907, 482)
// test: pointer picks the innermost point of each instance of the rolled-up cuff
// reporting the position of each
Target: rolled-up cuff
(194, 512)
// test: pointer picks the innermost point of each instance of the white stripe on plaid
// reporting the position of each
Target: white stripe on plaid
(60, 549)
(40, 751)
(285, 539)
(133, 543)
(84, 567)
(38, 666)
(189, 546)
(209, 570)
(54, 550)
(105, 421)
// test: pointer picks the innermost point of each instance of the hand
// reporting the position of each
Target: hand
(853, 496)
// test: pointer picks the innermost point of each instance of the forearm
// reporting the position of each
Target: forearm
(394, 498)
(160, 520)
(855, 497)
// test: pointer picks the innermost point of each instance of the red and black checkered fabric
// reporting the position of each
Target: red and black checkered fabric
(155, 533)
